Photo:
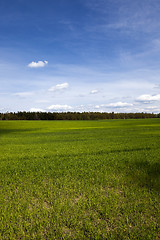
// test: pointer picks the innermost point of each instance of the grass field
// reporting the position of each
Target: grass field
(80, 179)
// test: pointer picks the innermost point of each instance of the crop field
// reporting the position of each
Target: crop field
(80, 179)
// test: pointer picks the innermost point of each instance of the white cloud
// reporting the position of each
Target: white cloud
(23, 94)
(36, 110)
(38, 64)
(94, 91)
(151, 107)
(148, 98)
(59, 87)
(117, 105)
(58, 107)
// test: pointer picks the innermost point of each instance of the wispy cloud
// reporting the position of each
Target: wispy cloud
(59, 87)
(127, 15)
(23, 94)
(38, 64)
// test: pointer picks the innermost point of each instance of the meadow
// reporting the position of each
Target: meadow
(80, 179)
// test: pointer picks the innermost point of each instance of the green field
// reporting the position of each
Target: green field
(80, 179)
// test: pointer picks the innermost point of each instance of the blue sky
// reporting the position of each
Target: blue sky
(80, 55)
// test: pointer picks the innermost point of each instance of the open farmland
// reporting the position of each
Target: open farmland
(80, 179)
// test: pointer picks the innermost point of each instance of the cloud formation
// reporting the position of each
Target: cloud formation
(58, 107)
(38, 64)
(117, 105)
(36, 110)
(59, 87)
(148, 98)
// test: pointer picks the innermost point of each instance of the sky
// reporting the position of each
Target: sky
(80, 55)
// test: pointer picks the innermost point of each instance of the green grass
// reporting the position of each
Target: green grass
(80, 179)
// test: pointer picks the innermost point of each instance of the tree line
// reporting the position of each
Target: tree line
(73, 115)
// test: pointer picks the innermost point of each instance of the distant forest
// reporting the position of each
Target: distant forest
(73, 115)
